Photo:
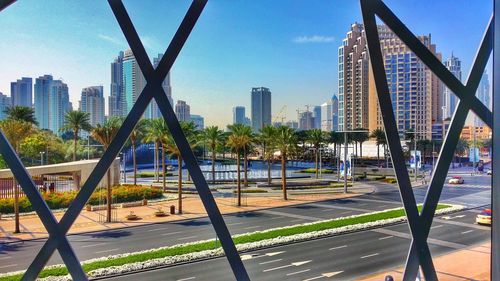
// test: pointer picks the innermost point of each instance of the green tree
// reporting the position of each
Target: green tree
(32, 145)
(379, 136)
(237, 143)
(16, 131)
(75, 121)
(461, 149)
(136, 135)
(21, 113)
(286, 142)
(249, 138)
(360, 138)
(105, 134)
(268, 144)
(189, 130)
(213, 137)
(316, 139)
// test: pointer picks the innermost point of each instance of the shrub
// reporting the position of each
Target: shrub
(313, 170)
(379, 178)
(152, 174)
(60, 200)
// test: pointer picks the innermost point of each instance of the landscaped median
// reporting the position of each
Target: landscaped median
(117, 264)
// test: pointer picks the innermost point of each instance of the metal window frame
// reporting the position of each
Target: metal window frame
(420, 223)
(153, 90)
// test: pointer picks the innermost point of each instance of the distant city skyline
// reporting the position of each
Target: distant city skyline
(297, 58)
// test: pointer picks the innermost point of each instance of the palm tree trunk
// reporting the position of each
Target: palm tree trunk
(108, 197)
(245, 166)
(316, 161)
(378, 155)
(238, 190)
(75, 140)
(135, 163)
(179, 184)
(163, 166)
(213, 166)
(157, 162)
(16, 206)
(269, 171)
(283, 175)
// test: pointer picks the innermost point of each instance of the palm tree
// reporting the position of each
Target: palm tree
(21, 113)
(266, 139)
(157, 132)
(336, 138)
(136, 135)
(237, 142)
(16, 131)
(213, 137)
(75, 121)
(379, 136)
(248, 138)
(316, 138)
(168, 142)
(105, 134)
(462, 147)
(286, 142)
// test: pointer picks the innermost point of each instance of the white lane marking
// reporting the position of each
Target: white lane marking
(252, 227)
(171, 233)
(327, 275)
(298, 272)
(436, 226)
(275, 218)
(299, 263)
(369, 256)
(157, 229)
(387, 237)
(346, 212)
(266, 262)
(186, 238)
(185, 279)
(339, 247)
(256, 256)
(107, 251)
(235, 223)
(4, 258)
(93, 245)
(468, 231)
(8, 265)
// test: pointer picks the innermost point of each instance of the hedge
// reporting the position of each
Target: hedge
(60, 200)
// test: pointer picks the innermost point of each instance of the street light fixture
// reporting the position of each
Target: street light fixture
(41, 157)
(415, 149)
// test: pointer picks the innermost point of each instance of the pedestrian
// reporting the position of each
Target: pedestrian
(52, 188)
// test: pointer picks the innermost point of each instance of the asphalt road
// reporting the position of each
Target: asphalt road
(474, 192)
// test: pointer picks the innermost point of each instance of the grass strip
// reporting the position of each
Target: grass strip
(240, 239)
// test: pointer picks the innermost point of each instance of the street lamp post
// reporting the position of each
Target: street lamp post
(41, 157)
(345, 155)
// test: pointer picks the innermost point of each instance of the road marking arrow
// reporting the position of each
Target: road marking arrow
(274, 253)
(324, 275)
(299, 263)
(251, 256)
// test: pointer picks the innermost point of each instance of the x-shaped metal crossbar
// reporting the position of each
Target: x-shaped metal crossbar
(420, 223)
(153, 90)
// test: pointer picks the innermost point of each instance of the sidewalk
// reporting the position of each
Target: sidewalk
(32, 227)
(468, 264)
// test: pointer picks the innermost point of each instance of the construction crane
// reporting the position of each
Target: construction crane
(281, 115)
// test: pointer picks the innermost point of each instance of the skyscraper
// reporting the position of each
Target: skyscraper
(133, 82)
(329, 118)
(115, 99)
(198, 121)
(353, 80)
(5, 102)
(483, 94)
(317, 117)
(182, 111)
(43, 87)
(92, 102)
(21, 92)
(261, 108)
(306, 120)
(59, 105)
(335, 113)
(239, 115)
(454, 65)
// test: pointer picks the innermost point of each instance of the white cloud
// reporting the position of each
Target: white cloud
(313, 39)
(111, 39)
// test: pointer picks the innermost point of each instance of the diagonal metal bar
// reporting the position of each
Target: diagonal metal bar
(102, 166)
(155, 77)
(41, 208)
(428, 58)
(495, 184)
(5, 3)
(392, 135)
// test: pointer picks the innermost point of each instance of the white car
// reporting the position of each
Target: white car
(488, 172)
(456, 180)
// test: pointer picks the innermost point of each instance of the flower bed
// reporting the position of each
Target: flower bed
(117, 264)
(61, 200)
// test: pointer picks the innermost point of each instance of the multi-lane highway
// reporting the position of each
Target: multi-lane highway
(357, 254)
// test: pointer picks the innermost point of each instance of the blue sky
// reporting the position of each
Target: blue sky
(288, 46)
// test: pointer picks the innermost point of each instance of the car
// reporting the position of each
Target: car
(456, 180)
(488, 172)
(484, 217)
